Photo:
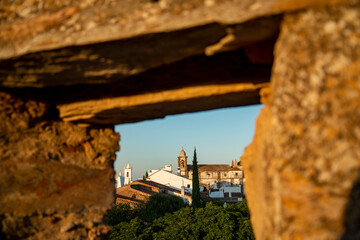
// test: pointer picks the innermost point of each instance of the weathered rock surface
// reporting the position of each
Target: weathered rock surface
(156, 105)
(112, 82)
(33, 26)
(117, 60)
(114, 50)
(222, 80)
(56, 178)
(305, 157)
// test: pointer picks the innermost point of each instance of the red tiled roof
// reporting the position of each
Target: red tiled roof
(129, 199)
(139, 187)
(161, 186)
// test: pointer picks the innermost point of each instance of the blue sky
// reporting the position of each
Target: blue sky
(219, 136)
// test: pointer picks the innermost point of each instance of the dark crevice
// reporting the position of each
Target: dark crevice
(223, 68)
(352, 214)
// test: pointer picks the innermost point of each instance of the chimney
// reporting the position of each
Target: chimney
(182, 191)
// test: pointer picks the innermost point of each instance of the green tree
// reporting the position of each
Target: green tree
(121, 212)
(196, 198)
(174, 226)
(211, 222)
(158, 205)
(146, 175)
(240, 214)
(127, 230)
(208, 223)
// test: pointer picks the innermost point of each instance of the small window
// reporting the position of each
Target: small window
(224, 174)
(127, 174)
(188, 185)
(236, 174)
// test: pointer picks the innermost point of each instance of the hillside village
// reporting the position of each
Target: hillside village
(217, 182)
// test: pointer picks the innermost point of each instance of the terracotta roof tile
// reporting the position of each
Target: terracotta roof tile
(144, 188)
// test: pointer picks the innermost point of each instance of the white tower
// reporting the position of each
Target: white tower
(119, 180)
(127, 173)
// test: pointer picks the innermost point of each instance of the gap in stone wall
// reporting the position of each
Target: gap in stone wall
(220, 136)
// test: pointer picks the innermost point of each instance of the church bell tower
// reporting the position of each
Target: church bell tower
(127, 172)
(182, 163)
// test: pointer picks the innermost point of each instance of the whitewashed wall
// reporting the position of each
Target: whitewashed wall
(171, 179)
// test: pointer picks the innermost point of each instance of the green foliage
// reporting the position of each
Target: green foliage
(174, 226)
(240, 214)
(196, 198)
(127, 230)
(245, 231)
(239, 208)
(218, 202)
(158, 205)
(120, 213)
(211, 222)
(146, 175)
(214, 223)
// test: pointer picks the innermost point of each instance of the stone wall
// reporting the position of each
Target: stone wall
(56, 178)
(305, 156)
(302, 168)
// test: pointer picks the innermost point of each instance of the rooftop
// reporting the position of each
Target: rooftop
(213, 167)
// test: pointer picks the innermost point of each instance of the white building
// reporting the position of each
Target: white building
(170, 179)
(127, 173)
(166, 168)
(231, 193)
(119, 180)
(126, 179)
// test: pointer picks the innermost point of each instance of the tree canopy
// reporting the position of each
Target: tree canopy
(210, 222)
(158, 205)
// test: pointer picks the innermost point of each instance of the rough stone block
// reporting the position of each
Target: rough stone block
(305, 157)
(56, 178)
